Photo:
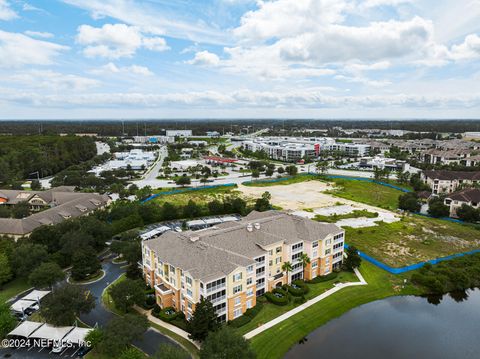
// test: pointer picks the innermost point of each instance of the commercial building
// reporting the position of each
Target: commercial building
(178, 133)
(468, 196)
(233, 263)
(52, 206)
(379, 162)
(450, 181)
(153, 139)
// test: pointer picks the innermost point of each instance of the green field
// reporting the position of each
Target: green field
(336, 217)
(276, 341)
(413, 239)
(201, 196)
(13, 288)
(366, 192)
(285, 181)
(271, 311)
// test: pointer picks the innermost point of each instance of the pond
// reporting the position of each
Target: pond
(401, 327)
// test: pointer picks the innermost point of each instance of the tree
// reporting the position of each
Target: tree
(263, 203)
(21, 210)
(215, 207)
(281, 170)
(35, 185)
(468, 213)
(292, 170)
(120, 332)
(26, 257)
(287, 268)
(322, 167)
(226, 343)
(132, 353)
(239, 205)
(169, 351)
(85, 263)
(46, 275)
(402, 176)
(191, 210)
(5, 269)
(127, 293)
(409, 202)
(305, 260)
(436, 208)
(65, 304)
(169, 211)
(353, 259)
(204, 321)
(255, 173)
(183, 181)
(269, 172)
(94, 337)
(7, 320)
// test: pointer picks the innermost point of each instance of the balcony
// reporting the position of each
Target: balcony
(339, 249)
(216, 288)
(259, 264)
(338, 240)
(260, 285)
(221, 311)
(163, 289)
(219, 299)
(277, 276)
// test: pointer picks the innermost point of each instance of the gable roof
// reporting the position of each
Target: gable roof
(466, 195)
(443, 175)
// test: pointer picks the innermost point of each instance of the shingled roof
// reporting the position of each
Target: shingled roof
(217, 251)
(443, 175)
(466, 195)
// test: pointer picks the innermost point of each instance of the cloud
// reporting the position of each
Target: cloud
(6, 12)
(155, 20)
(111, 68)
(116, 40)
(205, 58)
(468, 50)
(51, 80)
(18, 49)
(43, 35)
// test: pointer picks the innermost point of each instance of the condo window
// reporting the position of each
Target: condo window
(278, 260)
(278, 249)
(250, 269)
(238, 301)
(328, 242)
(250, 292)
(327, 251)
(237, 277)
(270, 252)
(249, 303)
(314, 264)
(188, 280)
(315, 244)
(237, 312)
(249, 280)
(237, 289)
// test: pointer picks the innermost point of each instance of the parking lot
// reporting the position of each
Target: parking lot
(36, 352)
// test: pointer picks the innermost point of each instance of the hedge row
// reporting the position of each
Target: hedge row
(276, 300)
(247, 316)
(324, 278)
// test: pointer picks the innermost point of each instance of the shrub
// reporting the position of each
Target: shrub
(324, 278)
(167, 314)
(241, 321)
(299, 300)
(275, 299)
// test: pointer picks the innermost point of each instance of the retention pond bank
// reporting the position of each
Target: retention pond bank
(398, 328)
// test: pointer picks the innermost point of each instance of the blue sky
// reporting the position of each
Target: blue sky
(239, 59)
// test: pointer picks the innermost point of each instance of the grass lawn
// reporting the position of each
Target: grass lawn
(201, 196)
(413, 239)
(366, 192)
(107, 300)
(90, 278)
(284, 181)
(336, 217)
(271, 311)
(192, 349)
(13, 288)
(276, 341)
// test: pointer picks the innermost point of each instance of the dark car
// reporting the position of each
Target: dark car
(83, 351)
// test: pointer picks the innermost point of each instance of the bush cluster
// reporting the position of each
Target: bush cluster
(247, 316)
(272, 298)
(324, 278)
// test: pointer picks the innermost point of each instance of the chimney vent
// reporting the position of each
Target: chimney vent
(249, 227)
(257, 225)
(194, 239)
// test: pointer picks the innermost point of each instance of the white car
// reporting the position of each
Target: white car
(57, 348)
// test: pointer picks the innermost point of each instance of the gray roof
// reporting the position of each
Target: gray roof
(66, 205)
(217, 251)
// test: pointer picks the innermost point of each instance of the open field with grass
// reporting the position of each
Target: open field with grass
(413, 239)
(282, 182)
(201, 196)
(13, 288)
(275, 342)
(366, 192)
(336, 217)
(271, 311)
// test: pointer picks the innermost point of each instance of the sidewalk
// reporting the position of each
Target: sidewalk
(305, 305)
(166, 325)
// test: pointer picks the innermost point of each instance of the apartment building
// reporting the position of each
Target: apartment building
(450, 181)
(468, 196)
(233, 263)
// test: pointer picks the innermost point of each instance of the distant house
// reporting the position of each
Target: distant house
(449, 181)
(468, 196)
(51, 207)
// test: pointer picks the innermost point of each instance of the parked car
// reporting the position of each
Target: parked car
(83, 351)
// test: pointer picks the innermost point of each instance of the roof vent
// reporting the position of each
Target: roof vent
(257, 225)
(249, 227)
(194, 239)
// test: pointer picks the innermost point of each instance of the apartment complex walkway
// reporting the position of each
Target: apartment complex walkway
(305, 305)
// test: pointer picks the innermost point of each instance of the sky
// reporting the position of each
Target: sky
(160, 59)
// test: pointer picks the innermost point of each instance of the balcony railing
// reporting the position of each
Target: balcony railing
(339, 249)
(216, 288)
(260, 285)
(218, 299)
(259, 264)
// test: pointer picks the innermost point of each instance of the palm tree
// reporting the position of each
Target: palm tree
(305, 260)
(287, 267)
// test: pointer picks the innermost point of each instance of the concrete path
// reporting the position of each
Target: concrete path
(305, 305)
(166, 325)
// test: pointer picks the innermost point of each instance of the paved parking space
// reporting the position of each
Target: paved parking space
(37, 353)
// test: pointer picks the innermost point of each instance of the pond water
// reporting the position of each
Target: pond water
(399, 328)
